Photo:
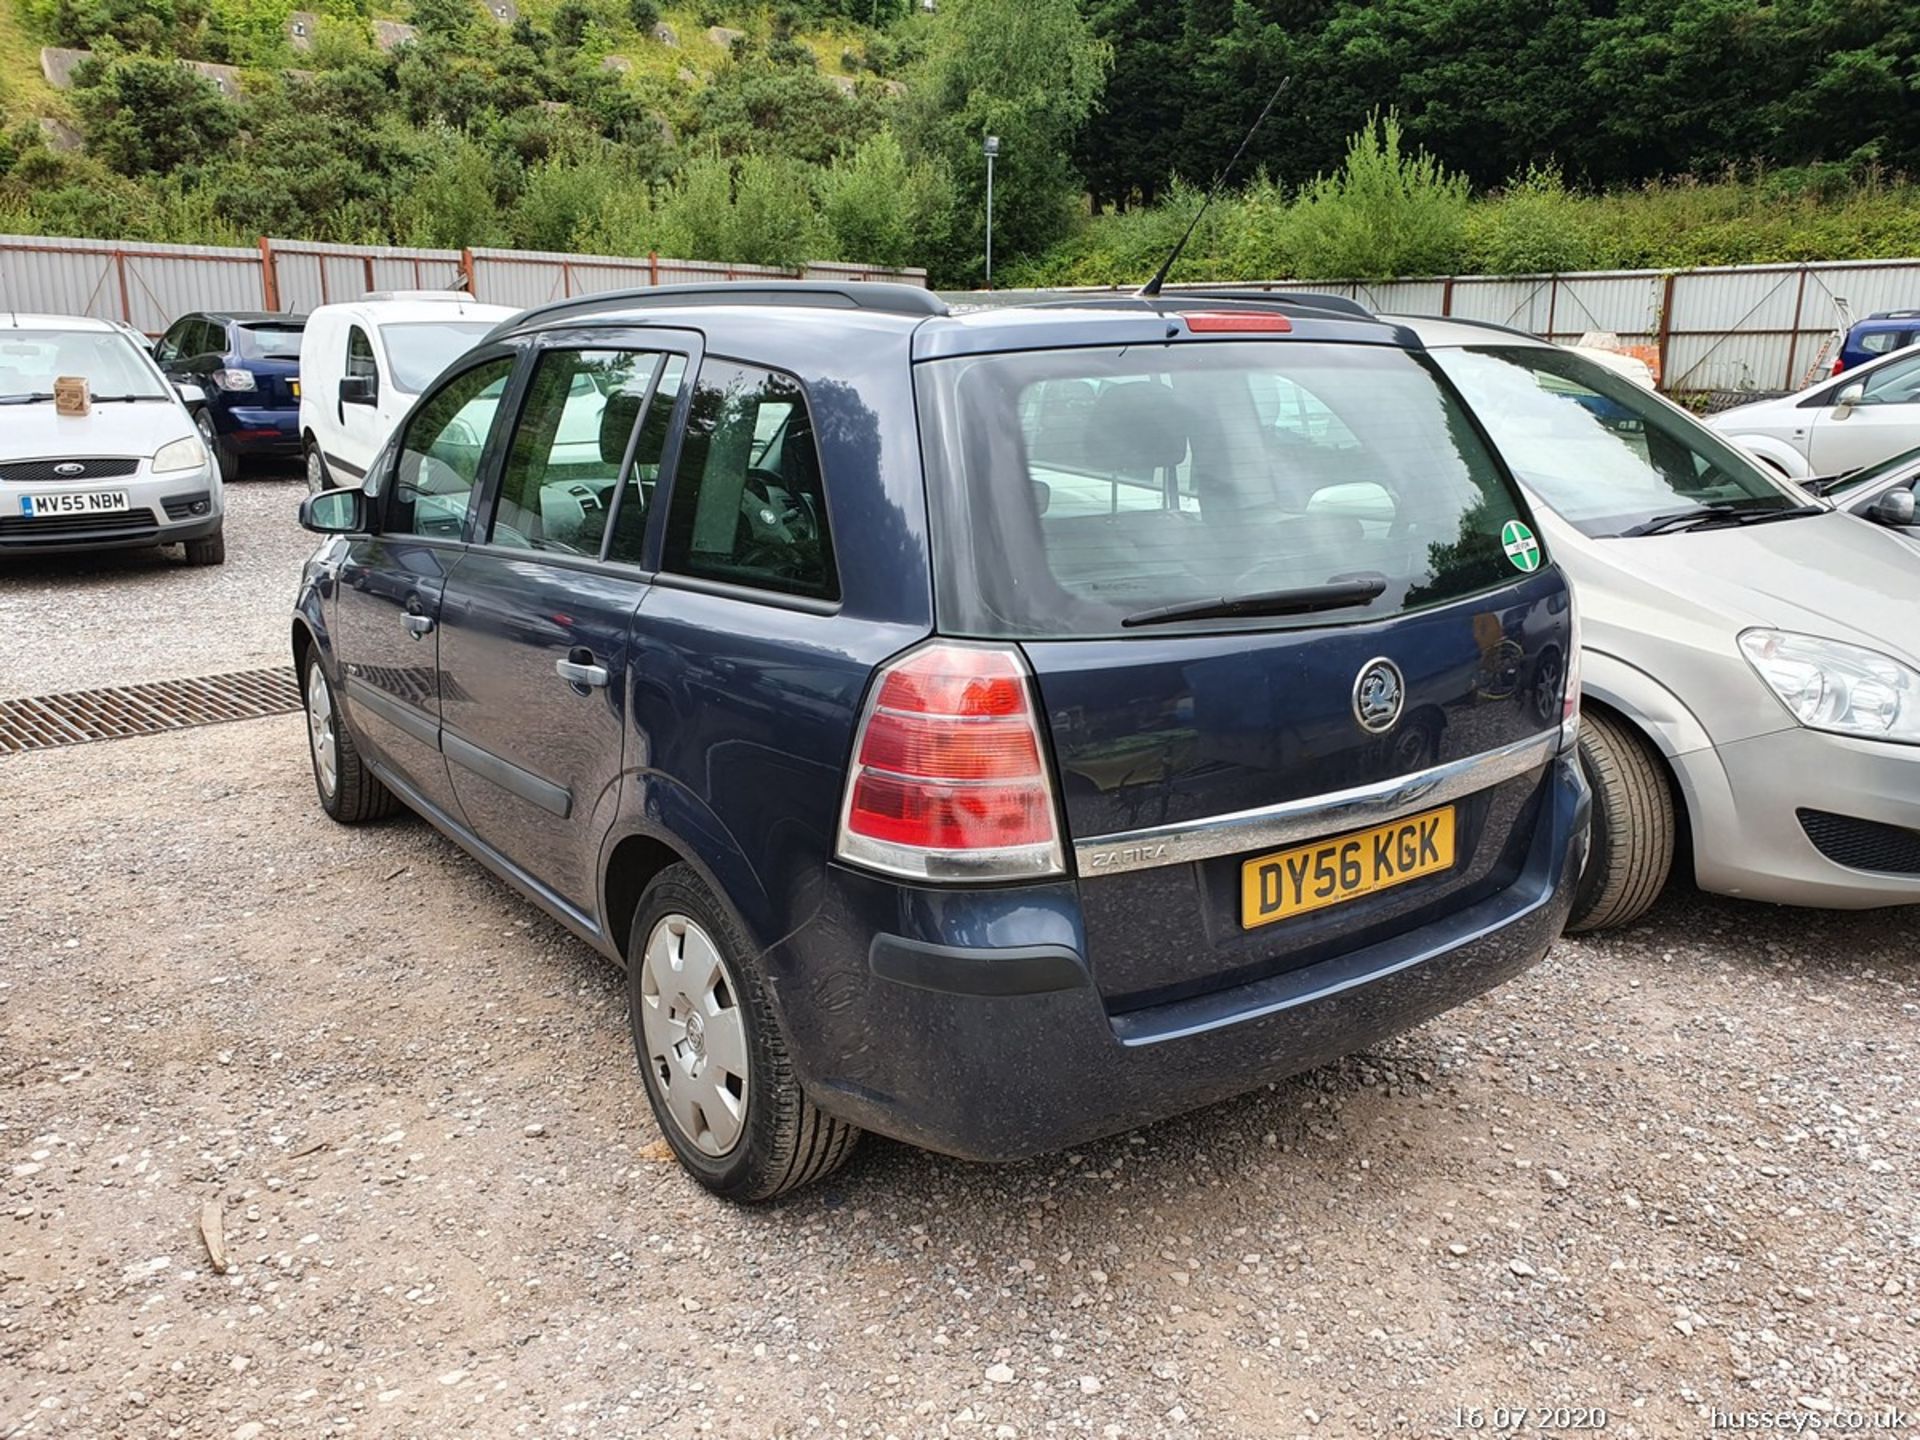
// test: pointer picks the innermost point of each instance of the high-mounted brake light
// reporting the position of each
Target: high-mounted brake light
(1237, 322)
(950, 779)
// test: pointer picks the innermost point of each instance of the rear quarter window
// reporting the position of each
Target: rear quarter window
(1073, 489)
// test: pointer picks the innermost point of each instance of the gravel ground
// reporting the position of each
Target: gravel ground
(1665, 1171)
(73, 622)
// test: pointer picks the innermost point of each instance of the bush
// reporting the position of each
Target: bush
(880, 208)
(1383, 213)
(644, 15)
(1535, 226)
(147, 116)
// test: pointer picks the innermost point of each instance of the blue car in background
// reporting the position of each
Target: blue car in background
(1879, 334)
(247, 363)
(992, 730)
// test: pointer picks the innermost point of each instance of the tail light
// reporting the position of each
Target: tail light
(1839, 364)
(231, 379)
(950, 778)
(1570, 702)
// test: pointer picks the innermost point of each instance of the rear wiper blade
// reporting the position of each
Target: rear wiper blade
(1305, 600)
(1707, 518)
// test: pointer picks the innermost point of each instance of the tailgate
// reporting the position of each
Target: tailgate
(1181, 758)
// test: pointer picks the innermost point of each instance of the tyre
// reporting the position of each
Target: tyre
(210, 551)
(711, 1055)
(348, 790)
(317, 477)
(1631, 852)
(224, 459)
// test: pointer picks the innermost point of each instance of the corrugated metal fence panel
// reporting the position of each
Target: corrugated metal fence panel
(308, 274)
(144, 285)
(834, 270)
(1627, 305)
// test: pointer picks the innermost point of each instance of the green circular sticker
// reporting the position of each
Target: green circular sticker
(1522, 549)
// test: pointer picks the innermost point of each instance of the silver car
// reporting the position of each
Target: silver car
(97, 450)
(1751, 679)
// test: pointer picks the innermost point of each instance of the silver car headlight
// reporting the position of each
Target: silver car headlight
(1830, 685)
(186, 453)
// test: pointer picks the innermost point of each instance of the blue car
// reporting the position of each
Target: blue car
(247, 365)
(1879, 334)
(992, 730)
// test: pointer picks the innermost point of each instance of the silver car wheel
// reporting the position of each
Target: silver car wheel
(696, 1034)
(326, 749)
(203, 422)
(316, 471)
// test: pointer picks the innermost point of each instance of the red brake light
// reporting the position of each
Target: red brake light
(949, 778)
(1237, 322)
(1839, 364)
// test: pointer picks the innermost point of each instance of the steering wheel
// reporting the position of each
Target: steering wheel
(791, 521)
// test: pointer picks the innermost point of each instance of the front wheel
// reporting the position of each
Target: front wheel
(210, 551)
(317, 477)
(1631, 852)
(714, 1063)
(224, 459)
(348, 790)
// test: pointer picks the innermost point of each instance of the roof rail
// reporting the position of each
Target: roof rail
(886, 296)
(1313, 299)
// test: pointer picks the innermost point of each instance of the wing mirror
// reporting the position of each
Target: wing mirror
(1848, 397)
(335, 512)
(190, 394)
(359, 390)
(1895, 508)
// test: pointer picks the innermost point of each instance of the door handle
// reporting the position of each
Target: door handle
(576, 672)
(418, 625)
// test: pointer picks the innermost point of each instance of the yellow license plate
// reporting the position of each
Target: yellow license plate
(1329, 872)
(296, 389)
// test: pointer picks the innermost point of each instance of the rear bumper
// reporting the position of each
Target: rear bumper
(259, 430)
(971, 1024)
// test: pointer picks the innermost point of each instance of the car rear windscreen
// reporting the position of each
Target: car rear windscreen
(270, 341)
(1073, 489)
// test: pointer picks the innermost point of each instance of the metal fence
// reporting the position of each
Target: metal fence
(148, 286)
(1765, 328)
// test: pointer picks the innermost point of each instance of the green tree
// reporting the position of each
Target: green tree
(1385, 212)
(147, 116)
(1029, 72)
(882, 208)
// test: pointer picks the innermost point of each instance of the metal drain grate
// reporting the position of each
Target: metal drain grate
(41, 722)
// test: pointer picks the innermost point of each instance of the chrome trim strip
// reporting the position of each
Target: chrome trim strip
(1296, 820)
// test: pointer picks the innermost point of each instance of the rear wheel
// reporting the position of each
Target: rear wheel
(223, 457)
(348, 790)
(715, 1066)
(1631, 852)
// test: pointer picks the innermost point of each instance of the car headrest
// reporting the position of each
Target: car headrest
(616, 424)
(1137, 425)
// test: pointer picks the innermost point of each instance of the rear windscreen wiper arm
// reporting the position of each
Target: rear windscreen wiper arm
(1306, 600)
(1706, 518)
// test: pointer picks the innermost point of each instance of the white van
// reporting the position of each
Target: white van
(363, 363)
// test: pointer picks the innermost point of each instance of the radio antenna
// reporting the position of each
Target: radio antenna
(1152, 288)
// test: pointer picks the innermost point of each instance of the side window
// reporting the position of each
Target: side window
(636, 500)
(169, 347)
(563, 466)
(1878, 342)
(441, 451)
(360, 361)
(1897, 383)
(748, 503)
(212, 339)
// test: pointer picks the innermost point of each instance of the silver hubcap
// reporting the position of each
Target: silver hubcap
(695, 1034)
(205, 427)
(326, 762)
(316, 473)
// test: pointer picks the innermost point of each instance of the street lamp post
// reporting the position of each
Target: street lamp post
(990, 147)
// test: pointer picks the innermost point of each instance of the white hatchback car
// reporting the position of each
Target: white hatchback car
(363, 364)
(117, 465)
(1861, 417)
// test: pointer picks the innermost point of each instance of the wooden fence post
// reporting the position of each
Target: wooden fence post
(269, 281)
